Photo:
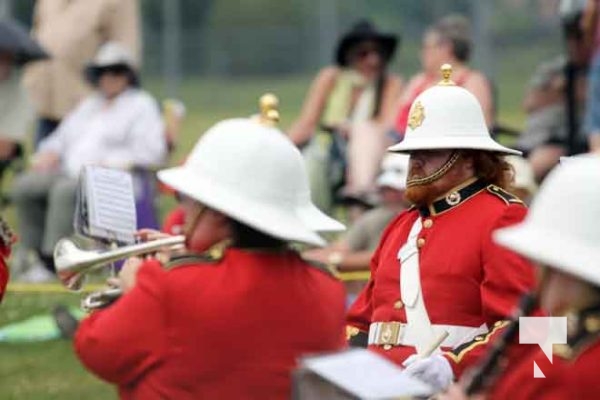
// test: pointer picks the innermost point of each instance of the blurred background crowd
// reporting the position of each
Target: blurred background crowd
(98, 81)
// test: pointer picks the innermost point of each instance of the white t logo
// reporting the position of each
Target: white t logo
(545, 332)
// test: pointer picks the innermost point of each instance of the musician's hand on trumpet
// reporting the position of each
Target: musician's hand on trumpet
(147, 235)
(163, 255)
(127, 275)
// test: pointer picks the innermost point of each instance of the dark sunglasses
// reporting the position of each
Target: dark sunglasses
(364, 52)
(113, 70)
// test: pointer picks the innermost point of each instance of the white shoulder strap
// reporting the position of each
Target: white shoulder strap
(418, 325)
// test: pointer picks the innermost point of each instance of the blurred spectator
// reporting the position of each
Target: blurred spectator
(545, 136)
(173, 115)
(72, 31)
(346, 113)
(591, 31)
(524, 185)
(447, 41)
(16, 49)
(119, 125)
(354, 250)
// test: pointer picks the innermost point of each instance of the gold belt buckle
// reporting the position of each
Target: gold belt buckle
(389, 334)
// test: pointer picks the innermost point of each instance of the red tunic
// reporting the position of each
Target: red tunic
(4, 254)
(7, 239)
(227, 329)
(572, 374)
(466, 279)
(565, 378)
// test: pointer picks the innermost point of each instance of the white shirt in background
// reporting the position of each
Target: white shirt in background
(124, 133)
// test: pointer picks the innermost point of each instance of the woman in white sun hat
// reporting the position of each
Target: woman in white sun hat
(562, 235)
(118, 126)
(436, 269)
(228, 326)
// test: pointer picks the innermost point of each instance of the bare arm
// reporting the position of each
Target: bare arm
(356, 261)
(304, 127)
(350, 260)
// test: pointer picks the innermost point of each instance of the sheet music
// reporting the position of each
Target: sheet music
(107, 207)
(366, 375)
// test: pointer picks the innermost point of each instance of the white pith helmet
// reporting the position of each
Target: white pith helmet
(253, 173)
(394, 173)
(447, 116)
(561, 229)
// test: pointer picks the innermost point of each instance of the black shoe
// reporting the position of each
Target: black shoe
(65, 321)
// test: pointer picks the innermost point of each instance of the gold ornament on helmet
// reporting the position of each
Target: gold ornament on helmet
(269, 113)
(446, 70)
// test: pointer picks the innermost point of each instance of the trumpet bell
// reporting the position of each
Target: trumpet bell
(72, 263)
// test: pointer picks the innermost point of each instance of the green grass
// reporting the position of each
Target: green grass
(50, 370)
(47, 370)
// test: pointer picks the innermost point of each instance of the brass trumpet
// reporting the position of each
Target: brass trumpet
(72, 264)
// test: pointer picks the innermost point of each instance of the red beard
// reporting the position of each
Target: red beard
(424, 193)
(421, 195)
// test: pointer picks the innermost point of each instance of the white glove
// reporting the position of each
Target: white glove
(435, 370)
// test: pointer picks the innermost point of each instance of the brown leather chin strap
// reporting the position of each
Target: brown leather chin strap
(441, 171)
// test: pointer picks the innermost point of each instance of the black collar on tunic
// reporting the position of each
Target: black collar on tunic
(453, 198)
(583, 331)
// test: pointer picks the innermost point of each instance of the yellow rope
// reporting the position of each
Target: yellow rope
(58, 288)
(46, 288)
(354, 276)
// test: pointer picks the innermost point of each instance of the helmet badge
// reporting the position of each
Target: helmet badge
(417, 115)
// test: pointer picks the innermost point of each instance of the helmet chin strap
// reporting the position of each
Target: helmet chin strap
(191, 227)
(441, 171)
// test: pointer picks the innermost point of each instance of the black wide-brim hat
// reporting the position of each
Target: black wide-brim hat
(15, 39)
(365, 31)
